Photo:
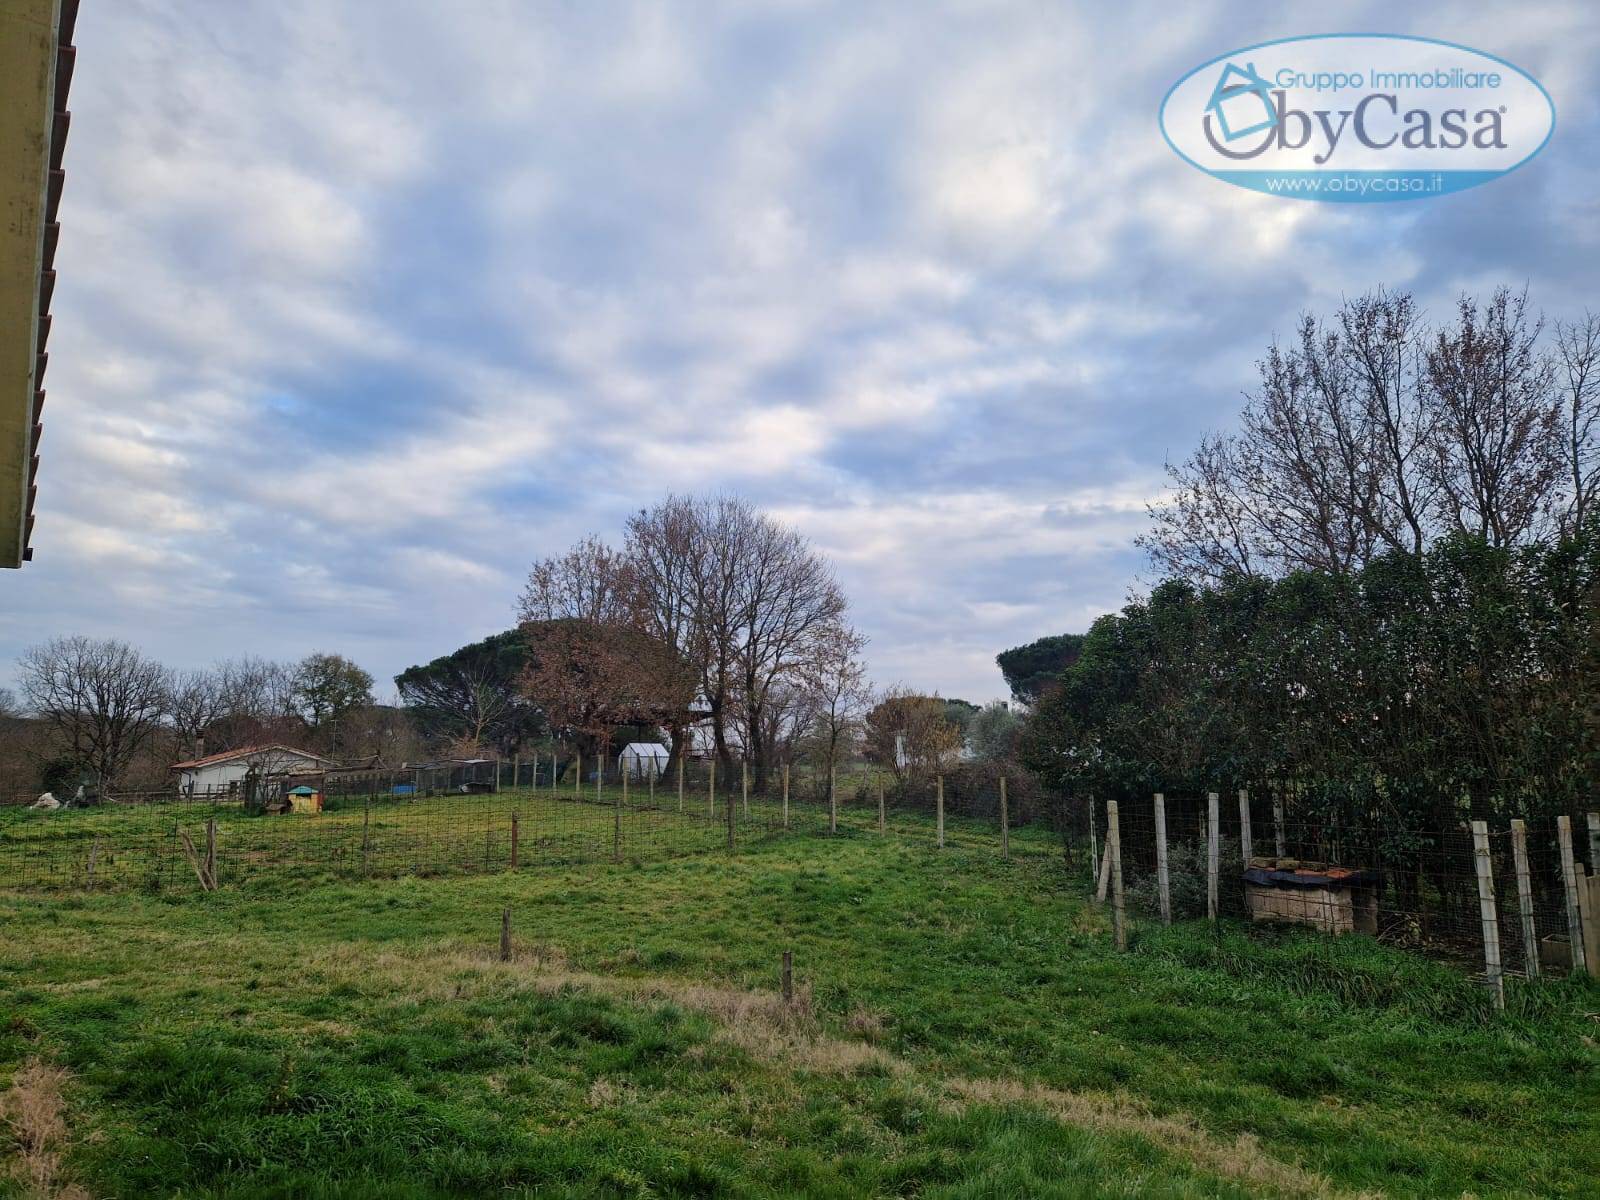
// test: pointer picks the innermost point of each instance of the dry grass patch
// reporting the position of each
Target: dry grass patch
(33, 1110)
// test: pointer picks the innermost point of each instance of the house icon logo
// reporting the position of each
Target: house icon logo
(1242, 102)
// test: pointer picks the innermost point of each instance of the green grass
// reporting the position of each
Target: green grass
(964, 1029)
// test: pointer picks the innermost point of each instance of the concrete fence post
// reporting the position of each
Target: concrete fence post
(1163, 880)
(1489, 918)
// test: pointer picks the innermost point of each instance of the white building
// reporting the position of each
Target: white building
(223, 772)
(640, 760)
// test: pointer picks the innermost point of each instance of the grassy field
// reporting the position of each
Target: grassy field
(962, 1028)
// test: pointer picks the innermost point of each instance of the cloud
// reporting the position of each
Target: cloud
(362, 307)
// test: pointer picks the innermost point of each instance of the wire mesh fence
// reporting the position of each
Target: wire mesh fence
(493, 815)
(1497, 901)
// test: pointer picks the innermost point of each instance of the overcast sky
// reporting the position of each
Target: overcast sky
(364, 305)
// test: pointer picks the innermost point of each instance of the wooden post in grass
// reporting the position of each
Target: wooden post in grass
(366, 838)
(1569, 880)
(1119, 925)
(1589, 918)
(786, 795)
(1530, 932)
(1245, 848)
(744, 785)
(94, 857)
(505, 935)
(1005, 822)
(516, 769)
(211, 851)
(516, 838)
(680, 780)
(711, 789)
(497, 774)
(883, 823)
(1213, 848)
(1103, 879)
(1277, 826)
(577, 773)
(833, 799)
(1163, 880)
(788, 978)
(1487, 915)
(939, 806)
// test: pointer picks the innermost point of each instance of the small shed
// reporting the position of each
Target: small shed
(643, 760)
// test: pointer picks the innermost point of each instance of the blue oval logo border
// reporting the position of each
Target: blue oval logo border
(1346, 198)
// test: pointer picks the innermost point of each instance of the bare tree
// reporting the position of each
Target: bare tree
(789, 605)
(1370, 433)
(663, 553)
(1578, 377)
(102, 697)
(834, 680)
(587, 583)
(197, 702)
(1496, 457)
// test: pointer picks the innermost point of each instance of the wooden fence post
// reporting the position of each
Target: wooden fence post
(833, 799)
(366, 838)
(1119, 923)
(1590, 918)
(786, 795)
(1530, 932)
(1102, 887)
(1163, 880)
(1094, 849)
(577, 773)
(1213, 848)
(744, 785)
(94, 857)
(1245, 848)
(1487, 914)
(211, 851)
(711, 789)
(883, 822)
(1569, 882)
(940, 809)
(1277, 826)
(616, 823)
(1005, 822)
(681, 757)
(505, 935)
(516, 838)
(497, 774)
